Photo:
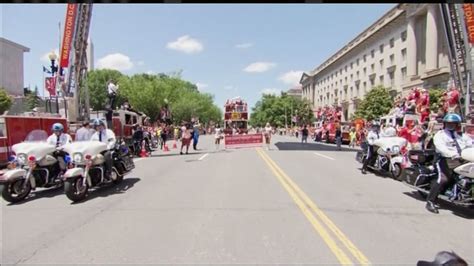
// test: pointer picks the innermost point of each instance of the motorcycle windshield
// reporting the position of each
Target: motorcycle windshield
(37, 136)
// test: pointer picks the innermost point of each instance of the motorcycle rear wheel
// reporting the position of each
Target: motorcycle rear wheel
(75, 190)
(16, 190)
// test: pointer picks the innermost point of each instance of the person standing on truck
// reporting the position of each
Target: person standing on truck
(59, 139)
(84, 133)
(112, 93)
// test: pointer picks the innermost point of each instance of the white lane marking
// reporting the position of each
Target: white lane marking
(138, 159)
(324, 156)
(204, 156)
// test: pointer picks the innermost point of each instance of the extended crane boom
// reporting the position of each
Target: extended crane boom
(79, 110)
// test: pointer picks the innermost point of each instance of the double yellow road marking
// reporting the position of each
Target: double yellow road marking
(309, 209)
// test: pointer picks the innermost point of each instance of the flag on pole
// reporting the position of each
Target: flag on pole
(50, 85)
(46, 70)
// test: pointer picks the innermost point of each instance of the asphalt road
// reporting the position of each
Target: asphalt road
(293, 204)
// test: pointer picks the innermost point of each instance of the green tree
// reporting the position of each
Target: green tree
(5, 101)
(377, 102)
(33, 100)
(277, 110)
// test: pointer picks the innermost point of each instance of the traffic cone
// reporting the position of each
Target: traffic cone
(174, 145)
(166, 148)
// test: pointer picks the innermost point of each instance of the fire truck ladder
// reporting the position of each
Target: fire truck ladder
(456, 37)
(78, 72)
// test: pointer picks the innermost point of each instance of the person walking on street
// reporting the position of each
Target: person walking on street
(268, 135)
(164, 135)
(338, 137)
(304, 135)
(218, 136)
(84, 133)
(185, 137)
(196, 134)
(352, 138)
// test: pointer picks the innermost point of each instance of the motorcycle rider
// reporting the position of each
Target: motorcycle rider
(59, 139)
(371, 150)
(105, 135)
(449, 144)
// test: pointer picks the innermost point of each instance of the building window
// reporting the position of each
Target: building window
(392, 43)
(372, 82)
(365, 71)
(404, 54)
(392, 59)
(404, 73)
(365, 86)
(372, 53)
(365, 58)
(345, 68)
(352, 64)
(381, 63)
(404, 36)
(340, 71)
(346, 79)
(381, 79)
(381, 48)
(392, 79)
(351, 77)
(357, 62)
(372, 67)
(357, 73)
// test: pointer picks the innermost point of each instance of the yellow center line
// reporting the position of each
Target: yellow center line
(341, 256)
(361, 258)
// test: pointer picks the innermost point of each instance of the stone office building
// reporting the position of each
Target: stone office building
(403, 49)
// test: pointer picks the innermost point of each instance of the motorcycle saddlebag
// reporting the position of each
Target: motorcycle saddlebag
(422, 157)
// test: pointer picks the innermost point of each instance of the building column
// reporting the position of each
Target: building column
(431, 38)
(411, 48)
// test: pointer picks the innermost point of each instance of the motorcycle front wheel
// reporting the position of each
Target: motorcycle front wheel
(397, 172)
(16, 190)
(75, 189)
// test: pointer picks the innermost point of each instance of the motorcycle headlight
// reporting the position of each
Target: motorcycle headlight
(78, 158)
(21, 158)
(396, 149)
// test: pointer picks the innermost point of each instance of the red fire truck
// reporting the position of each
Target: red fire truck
(15, 128)
(235, 116)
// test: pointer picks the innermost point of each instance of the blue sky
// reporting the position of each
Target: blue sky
(228, 50)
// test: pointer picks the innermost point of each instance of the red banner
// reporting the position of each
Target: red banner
(69, 26)
(243, 141)
(469, 19)
(50, 85)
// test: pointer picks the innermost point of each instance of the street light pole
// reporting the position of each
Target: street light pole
(54, 69)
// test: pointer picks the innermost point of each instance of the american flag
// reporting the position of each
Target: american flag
(50, 85)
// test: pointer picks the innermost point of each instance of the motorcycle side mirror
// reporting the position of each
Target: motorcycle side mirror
(12, 158)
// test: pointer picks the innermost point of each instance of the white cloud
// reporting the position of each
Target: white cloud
(140, 63)
(201, 86)
(115, 61)
(271, 91)
(186, 44)
(244, 45)
(228, 87)
(45, 57)
(259, 67)
(291, 77)
(150, 72)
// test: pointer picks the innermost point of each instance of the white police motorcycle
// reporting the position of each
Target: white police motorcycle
(33, 165)
(88, 167)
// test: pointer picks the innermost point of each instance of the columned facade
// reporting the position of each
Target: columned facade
(405, 48)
